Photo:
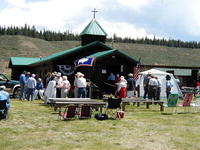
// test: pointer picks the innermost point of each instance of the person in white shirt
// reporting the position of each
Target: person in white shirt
(81, 84)
(58, 80)
(50, 90)
(153, 84)
(65, 87)
(121, 87)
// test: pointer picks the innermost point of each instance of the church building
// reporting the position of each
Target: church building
(93, 58)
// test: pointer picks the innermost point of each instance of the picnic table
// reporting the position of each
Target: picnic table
(148, 102)
(63, 102)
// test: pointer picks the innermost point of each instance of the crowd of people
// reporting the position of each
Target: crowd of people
(152, 86)
(122, 87)
(54, 85)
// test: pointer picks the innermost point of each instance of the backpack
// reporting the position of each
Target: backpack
(100, 116)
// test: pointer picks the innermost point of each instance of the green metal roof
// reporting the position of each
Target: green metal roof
(70, 51)
(110, 52)
(93, 28)
(24, 61)
(101, 54)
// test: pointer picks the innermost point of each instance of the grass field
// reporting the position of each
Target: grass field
(33, 125)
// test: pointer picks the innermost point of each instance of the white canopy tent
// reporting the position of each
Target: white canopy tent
(162, 76)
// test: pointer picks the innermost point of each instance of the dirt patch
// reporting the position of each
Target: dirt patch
(28, 44)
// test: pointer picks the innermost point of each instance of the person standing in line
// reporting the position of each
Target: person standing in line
(47, 78)
(22, 80)
(81, 84)
(111, 86)
(65, 87)
(28, 74)
(75, 85)
(169, 85)
(121, 87)
(146, 85)
(31, 84)
(50, 91)
(153, 84)
(158, 88)
(39, 89)
(4, 96)
(117, 78)
(58, 80)
(131, 85)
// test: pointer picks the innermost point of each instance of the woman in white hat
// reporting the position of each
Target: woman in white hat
(65, 87)
(121, 87)
(50, 91)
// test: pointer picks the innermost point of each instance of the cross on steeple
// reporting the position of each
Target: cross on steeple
(94, 11)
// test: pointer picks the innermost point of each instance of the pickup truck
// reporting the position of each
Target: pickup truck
(12, 86)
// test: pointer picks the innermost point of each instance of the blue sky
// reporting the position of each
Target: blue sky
(171, 19)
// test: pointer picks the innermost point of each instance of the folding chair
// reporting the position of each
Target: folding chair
(85, 112)
(196, 104)
(113, 107)
(171, 103)
(69, 113)
(3, 109)
(186, 102)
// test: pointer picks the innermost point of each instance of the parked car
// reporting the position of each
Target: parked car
(12, 86)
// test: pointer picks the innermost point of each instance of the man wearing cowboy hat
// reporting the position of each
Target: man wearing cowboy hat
(81, 84)
(4, 96)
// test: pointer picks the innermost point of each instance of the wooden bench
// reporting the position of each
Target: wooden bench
(64, 102)
(148, 102)
(54, 100)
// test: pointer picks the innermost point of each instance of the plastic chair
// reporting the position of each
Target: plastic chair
(113, 107)
(186, 102)
(171, 103)
(69, 113)
(196, 103)
(85, 112)
(3, 109)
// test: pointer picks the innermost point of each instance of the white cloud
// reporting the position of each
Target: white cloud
(135, 18)
(135, 4)
(122, 29)
(52, 14)
(17, 3)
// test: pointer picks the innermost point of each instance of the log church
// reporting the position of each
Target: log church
(105, 59)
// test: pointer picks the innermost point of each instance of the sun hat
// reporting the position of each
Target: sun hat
(2, 87)
(58, 74)
(130, 75)
(33, 75)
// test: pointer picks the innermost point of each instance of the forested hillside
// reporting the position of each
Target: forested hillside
(22, 46)
(48, 35)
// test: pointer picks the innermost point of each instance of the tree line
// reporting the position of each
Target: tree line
(48, 35)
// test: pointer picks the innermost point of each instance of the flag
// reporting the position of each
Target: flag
(137, 70)
(84, 62)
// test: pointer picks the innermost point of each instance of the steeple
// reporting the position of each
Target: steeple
(93, 32)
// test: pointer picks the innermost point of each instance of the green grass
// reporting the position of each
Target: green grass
(32, 125)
